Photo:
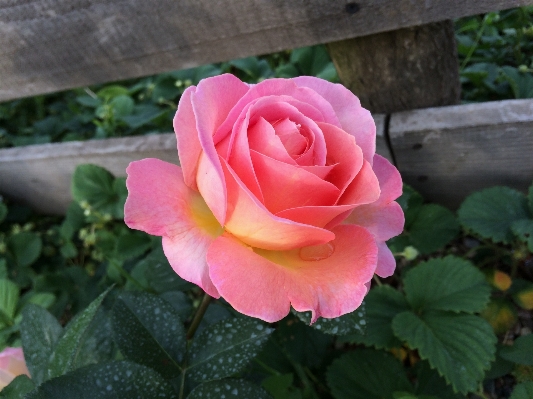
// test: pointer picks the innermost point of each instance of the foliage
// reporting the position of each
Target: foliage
(430, 331)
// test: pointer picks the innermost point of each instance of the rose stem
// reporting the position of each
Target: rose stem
(198, 316)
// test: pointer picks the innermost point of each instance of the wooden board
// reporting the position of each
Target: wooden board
(52, 45)
(40, 175)
(449, 152)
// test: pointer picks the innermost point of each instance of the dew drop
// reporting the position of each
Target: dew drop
(317, 252)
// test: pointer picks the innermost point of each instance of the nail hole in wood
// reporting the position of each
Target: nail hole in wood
(417, 146)
(352, 8)
(422, 178)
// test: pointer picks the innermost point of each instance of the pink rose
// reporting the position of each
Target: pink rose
(280, 199)
(12, 364)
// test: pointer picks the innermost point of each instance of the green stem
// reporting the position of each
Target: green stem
(308, 386)
(200, 312)
(182, 386)
(476, 42)
(267, 367)
(126, 275)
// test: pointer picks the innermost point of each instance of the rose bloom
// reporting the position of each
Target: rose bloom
(12, 364)
(280, 199)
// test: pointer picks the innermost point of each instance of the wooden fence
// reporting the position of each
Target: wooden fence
(445, 152)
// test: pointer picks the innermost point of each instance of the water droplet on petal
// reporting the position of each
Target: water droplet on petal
(317, 252)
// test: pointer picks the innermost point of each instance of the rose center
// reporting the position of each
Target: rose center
(290, 135)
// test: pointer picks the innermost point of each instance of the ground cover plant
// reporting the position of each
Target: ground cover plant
(100, 313)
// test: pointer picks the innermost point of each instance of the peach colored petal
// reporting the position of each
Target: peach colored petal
(386, 261)
(384, 222)
(12, 364)
(252, 223)
(304, 278)
(189, 148)
(364, 188)
(321, 110)
(160, 203)
(389, 178)
(262, 138)
(212, 101)
(344, 152)
(287, 186)
(353, 118)
(319, 216)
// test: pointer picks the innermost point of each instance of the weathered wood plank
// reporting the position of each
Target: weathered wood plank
(40, 175)
(51, 45)
(449, 152)
(401, 70)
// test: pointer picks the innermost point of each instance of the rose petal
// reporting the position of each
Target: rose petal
(274, 281)
(252, 223)
(343, 151)
(287, 186)
(319, 110)
(212, 102)
(389, 178)
(319, 216)
(364, 188)
(353, 118)
(384, 222)
(386, 261)
(189, 148)
(262, 138)
(160, 203)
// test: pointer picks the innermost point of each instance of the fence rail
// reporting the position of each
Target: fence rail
(52, 45)
(445, 153)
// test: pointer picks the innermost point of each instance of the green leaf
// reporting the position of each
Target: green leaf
(142, 115)
(43, 299)
(302, 344)
(108, 92)
(281, 386)
(121, 191)
(524, 230)
(523, 391)
(9, 296)
(122, 379)
(228, 388)
(98, 345)
(24, 247)
(459, 346)
(122, 105)
(19, 387)
(39, 332)
(351, 323)
(433, 228)
(382, 304)
(429, 382)
(449, 283)
(148, 331)
(132, 244)
(411, 202)
(366, 374)
(180, 302)
(74, 221)
(65, 356)
(94, 184)
(160, 274)
(3, 211)
(225, 348)
(520, 352)
(491, 212)
(530, 199)
(521, 83)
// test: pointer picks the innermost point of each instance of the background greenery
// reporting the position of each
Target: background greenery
(100, 313)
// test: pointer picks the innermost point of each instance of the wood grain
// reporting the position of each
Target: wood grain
(39, 175)
(52, 45)
(401, 70)
(449, 152)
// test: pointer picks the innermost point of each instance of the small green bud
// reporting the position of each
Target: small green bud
(410, 253)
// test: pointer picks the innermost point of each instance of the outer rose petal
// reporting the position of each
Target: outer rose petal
(389, 178)
(252, 223)
(354, 119)
(384, 222)
(189, 148)
(160, 203)
(265, 284)
(12, 364)
(213, 100)
(386, 261)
